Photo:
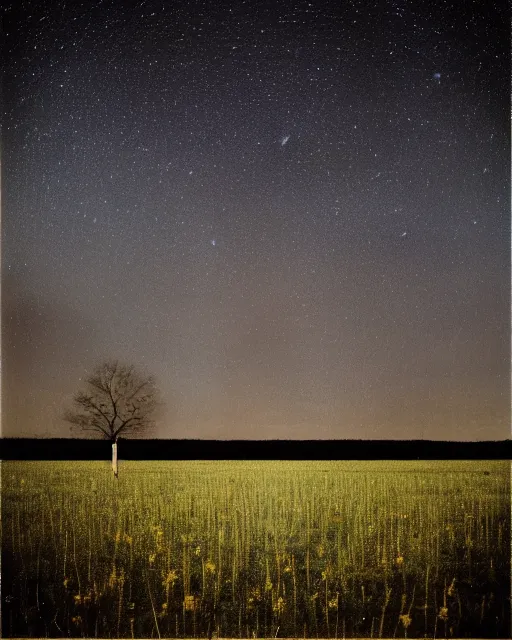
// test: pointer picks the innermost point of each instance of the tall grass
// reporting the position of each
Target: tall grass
(256, 549)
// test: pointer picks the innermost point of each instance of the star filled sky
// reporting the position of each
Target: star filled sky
(294, 215)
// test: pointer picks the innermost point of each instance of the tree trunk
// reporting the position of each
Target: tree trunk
(114, 458)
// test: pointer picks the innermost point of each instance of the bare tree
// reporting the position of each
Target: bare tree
(117, 401)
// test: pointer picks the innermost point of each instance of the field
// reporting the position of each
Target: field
(252, 549)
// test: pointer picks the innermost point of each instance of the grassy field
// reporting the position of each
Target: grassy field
(256, 549)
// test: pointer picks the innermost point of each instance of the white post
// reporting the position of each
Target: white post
(114, 458)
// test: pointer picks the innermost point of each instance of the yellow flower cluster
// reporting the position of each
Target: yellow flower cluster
(116, 578)
(122, 536)
(443, 613)
(81, 599)
(191, 603)
(255, 596)
(279, 605)
(406, 620)
(170, 578)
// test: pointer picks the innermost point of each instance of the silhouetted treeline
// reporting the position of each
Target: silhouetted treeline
(89, 449)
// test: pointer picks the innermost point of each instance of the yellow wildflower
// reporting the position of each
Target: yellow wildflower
(191, 603)
(279, 605)
(170, 578)
(255, 594)
(443, 613)
(406, 620)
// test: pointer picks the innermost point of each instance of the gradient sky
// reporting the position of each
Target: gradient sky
(294, 214)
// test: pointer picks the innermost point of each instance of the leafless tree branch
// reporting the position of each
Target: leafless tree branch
(118, 401)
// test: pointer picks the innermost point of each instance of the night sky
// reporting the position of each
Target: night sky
(295, 215)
